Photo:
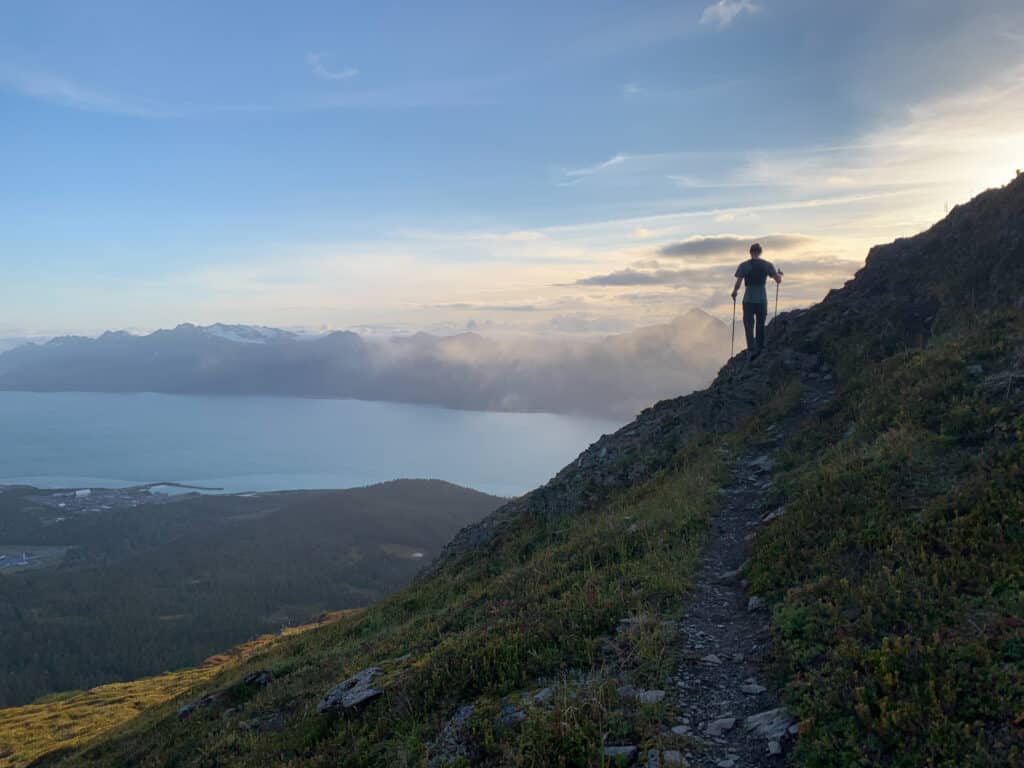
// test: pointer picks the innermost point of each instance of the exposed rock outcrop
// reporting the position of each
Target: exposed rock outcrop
(352, 693)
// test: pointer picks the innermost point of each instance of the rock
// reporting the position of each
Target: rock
(794, 729)
(774, 515)
(975, 370)
(351, 693)
(206, 702)
(626, 692)
(753, 689)
(650, 697)
(272, 723)
(763, 463)
(260, 679)
(711, 659)
(771, 724)
(720, 726)
(756, 603)
(672, 757)
(543, 696)
(653, 760)
(774, 747)
(727, 763)
(510, 716)
(624, 754)
(681, 730)
(449, 745)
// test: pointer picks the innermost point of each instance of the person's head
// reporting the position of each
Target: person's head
(755, 251)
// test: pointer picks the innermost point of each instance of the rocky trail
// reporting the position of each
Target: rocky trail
(725, 705)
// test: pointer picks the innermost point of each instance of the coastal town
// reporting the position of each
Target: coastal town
(51, 508)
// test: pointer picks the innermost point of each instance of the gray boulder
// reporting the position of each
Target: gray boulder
(351, 693)
(771, 725)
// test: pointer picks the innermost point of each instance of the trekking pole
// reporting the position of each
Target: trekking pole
(777, 285)
(732, 348)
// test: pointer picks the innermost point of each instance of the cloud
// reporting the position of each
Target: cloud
(523, 236)
(61, 91)
(630, 276)
(807, 270)
(726, 244)
(317, 63)
(632, 89)
(466, 306)
(575, 176)
(724, 12)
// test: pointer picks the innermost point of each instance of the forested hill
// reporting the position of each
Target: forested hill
(889, 558)
(121, 584)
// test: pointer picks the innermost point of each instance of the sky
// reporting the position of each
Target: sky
(555, 167)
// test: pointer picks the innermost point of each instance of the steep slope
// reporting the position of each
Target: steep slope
(548, 634)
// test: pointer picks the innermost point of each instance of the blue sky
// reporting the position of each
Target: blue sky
(518, 167)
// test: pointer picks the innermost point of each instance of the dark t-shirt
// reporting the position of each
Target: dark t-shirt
(755, 273)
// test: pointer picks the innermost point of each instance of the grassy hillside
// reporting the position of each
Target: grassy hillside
(899, 564)
(66, 720)
(894, 576)
(538, 606)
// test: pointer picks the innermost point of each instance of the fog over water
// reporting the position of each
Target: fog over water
(277, 443)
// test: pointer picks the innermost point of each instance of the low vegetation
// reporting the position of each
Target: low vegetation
(899, 565)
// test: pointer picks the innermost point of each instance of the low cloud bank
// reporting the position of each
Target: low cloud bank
(613, 376)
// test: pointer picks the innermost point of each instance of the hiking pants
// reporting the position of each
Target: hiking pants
(754, 316)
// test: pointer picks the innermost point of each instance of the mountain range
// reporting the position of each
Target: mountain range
(612, 376)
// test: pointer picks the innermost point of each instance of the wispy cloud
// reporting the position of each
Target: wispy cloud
(466, 306)
(318, 63)
(725, 12)
(633, 277)
(820, 269)
(54, 89)
(720, 245)
(576, 175)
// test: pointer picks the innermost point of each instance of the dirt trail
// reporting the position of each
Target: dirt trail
(726, 705)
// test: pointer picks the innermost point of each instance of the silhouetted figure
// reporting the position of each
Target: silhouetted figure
(754, 273)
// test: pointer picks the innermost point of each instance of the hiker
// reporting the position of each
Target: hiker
(754, 273)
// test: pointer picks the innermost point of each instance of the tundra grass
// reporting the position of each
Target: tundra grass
(898, 568)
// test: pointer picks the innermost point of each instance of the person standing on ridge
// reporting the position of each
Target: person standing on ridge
(754, 273)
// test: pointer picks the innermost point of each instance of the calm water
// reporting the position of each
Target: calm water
(258, 443)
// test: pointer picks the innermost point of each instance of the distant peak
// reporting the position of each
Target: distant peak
(247, 334)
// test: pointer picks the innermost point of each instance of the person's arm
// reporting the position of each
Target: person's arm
(736, 288)
(775, 274)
